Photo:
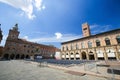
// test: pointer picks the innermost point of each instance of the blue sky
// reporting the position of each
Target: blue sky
(56, 21)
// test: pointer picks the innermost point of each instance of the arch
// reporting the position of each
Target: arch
(107, 41)
(77, 56)
(91, 56)
(67, 55)
(72, 56)
(100, 54)
(84, 55)
(97, 42)
(118, 39)
(27, 57)
(111, 54)
(17, 56)
(22, 56)
(12, 56)
(6, 56)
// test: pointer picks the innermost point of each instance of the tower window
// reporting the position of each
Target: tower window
(85, 29)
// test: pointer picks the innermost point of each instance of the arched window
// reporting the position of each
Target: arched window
(107, 41)
(82, 45)
(89, 44)
(63, 48)
(97, 43)
(71, 47)
(118, 39)
(76, 46)
(66, 47)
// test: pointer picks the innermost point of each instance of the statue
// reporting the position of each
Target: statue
(15, 27)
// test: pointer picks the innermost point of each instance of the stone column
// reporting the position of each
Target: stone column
(64, 56)
(69, 56)
(80, 55)
(95, 54)
(74, 56)
(87, 54)
(116, 53)
(105, 54)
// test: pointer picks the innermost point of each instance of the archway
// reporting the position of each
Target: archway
(27, 57)
(111, 54)
(12, 56)
(91, 56)
(6, 56)
(83, 55)
(100, 55)
(67, 56)
(17, 56)
(77, 56)
(22, 56)
(72, 56)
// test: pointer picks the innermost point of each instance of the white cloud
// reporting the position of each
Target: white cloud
(58, 38)
(25, 37)
(58, 35)
(26, 6)
(99, 28)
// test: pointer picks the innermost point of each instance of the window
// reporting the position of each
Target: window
(118, 39)
(89, 44)
(97, 43)
(63, 48)
(82, 45)
(76, 46)
(85, 29)
(66, 47)
(107, 41)
(71, 47)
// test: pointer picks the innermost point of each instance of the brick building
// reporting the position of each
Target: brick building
(102, 46)
(16, 48)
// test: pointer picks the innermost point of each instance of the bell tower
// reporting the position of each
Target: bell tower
(13, 33)
(86, 30)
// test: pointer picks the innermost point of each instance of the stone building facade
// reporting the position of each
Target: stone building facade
(102, 46)
(16, 48)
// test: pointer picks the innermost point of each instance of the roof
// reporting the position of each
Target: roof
(23, 41)
(111, 31)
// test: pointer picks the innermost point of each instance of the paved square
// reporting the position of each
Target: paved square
(25, 70)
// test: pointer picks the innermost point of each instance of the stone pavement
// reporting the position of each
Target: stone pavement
(27, 70)
(86, 68)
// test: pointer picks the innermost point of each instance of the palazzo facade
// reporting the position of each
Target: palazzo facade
(16, 48)
(102, 46)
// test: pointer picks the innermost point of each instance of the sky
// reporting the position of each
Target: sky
(51, 22)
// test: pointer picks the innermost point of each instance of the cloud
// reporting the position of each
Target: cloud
(25, 37)
(26, 6)
(95, 29)
(58, 35)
